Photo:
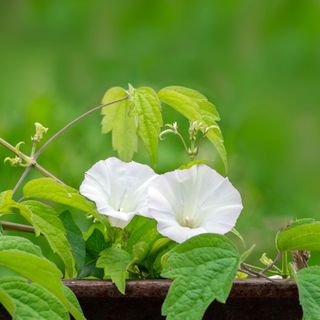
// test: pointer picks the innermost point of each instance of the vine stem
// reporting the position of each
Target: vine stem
(32, 160)
(270, 266)
(16, 227)
(55, 136)
(253, 273)
(26, 171)
(27, 159)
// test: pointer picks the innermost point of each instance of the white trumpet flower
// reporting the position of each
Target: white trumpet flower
(119, 189)
(189, 202)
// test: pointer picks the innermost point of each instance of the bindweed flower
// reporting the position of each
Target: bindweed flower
(119, 189)
(194, 201)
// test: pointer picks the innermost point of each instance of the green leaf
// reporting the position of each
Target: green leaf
(207, 109)
(195, 106)
(203, 269)
(180, 102)
(160, 247)
(46, 221)
(49, 189)
(141, 229)
(94, 245)
(22, 256)
(148, 109)
(308, 281)
(6, 201)
(25, 300)
(115, 263)
(302, 235)
(118, 119)
(71, 297)
(75, 239)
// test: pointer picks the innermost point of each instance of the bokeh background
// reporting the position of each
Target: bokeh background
(258, 61)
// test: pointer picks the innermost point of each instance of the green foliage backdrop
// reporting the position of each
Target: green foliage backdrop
(259, 61)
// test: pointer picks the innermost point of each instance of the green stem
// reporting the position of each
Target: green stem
(30, 161)
(285, 267)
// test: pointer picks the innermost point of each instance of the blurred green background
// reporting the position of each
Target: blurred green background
(258, 61)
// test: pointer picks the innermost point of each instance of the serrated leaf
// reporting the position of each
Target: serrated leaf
(23, 257)
(196, 107)
(49, 189)
(115, 263)
(308, 281)
(180, 102)
(31, 301)
(46, 221)
(118, 119)
(302, 235)
(75, 239)
(19, 244)
(148, 109)
(203, 269)
(207, 109)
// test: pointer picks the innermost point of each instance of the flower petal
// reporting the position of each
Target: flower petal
(119, 189)
(193, 201)
(176, 232)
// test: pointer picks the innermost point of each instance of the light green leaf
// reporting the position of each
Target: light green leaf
(180, 102)
(302, 235)
(203, 269)
(115, 263)
(207, 109)
(23, 257)
(30, 301)
(308, 281)
(49, 189)
(118, 119)
(75, 239)
(46, 221)
(196, 107)
(71, 297)
(6, 202)
(148, 109)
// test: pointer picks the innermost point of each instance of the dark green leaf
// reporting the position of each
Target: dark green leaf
(203, 269)
(75, 238)
(308, 281)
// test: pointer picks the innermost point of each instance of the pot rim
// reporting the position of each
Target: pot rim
(246, 288)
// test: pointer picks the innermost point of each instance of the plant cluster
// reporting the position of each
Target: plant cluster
(140, 224)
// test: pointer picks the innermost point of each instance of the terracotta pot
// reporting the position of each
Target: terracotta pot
(249, 299)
